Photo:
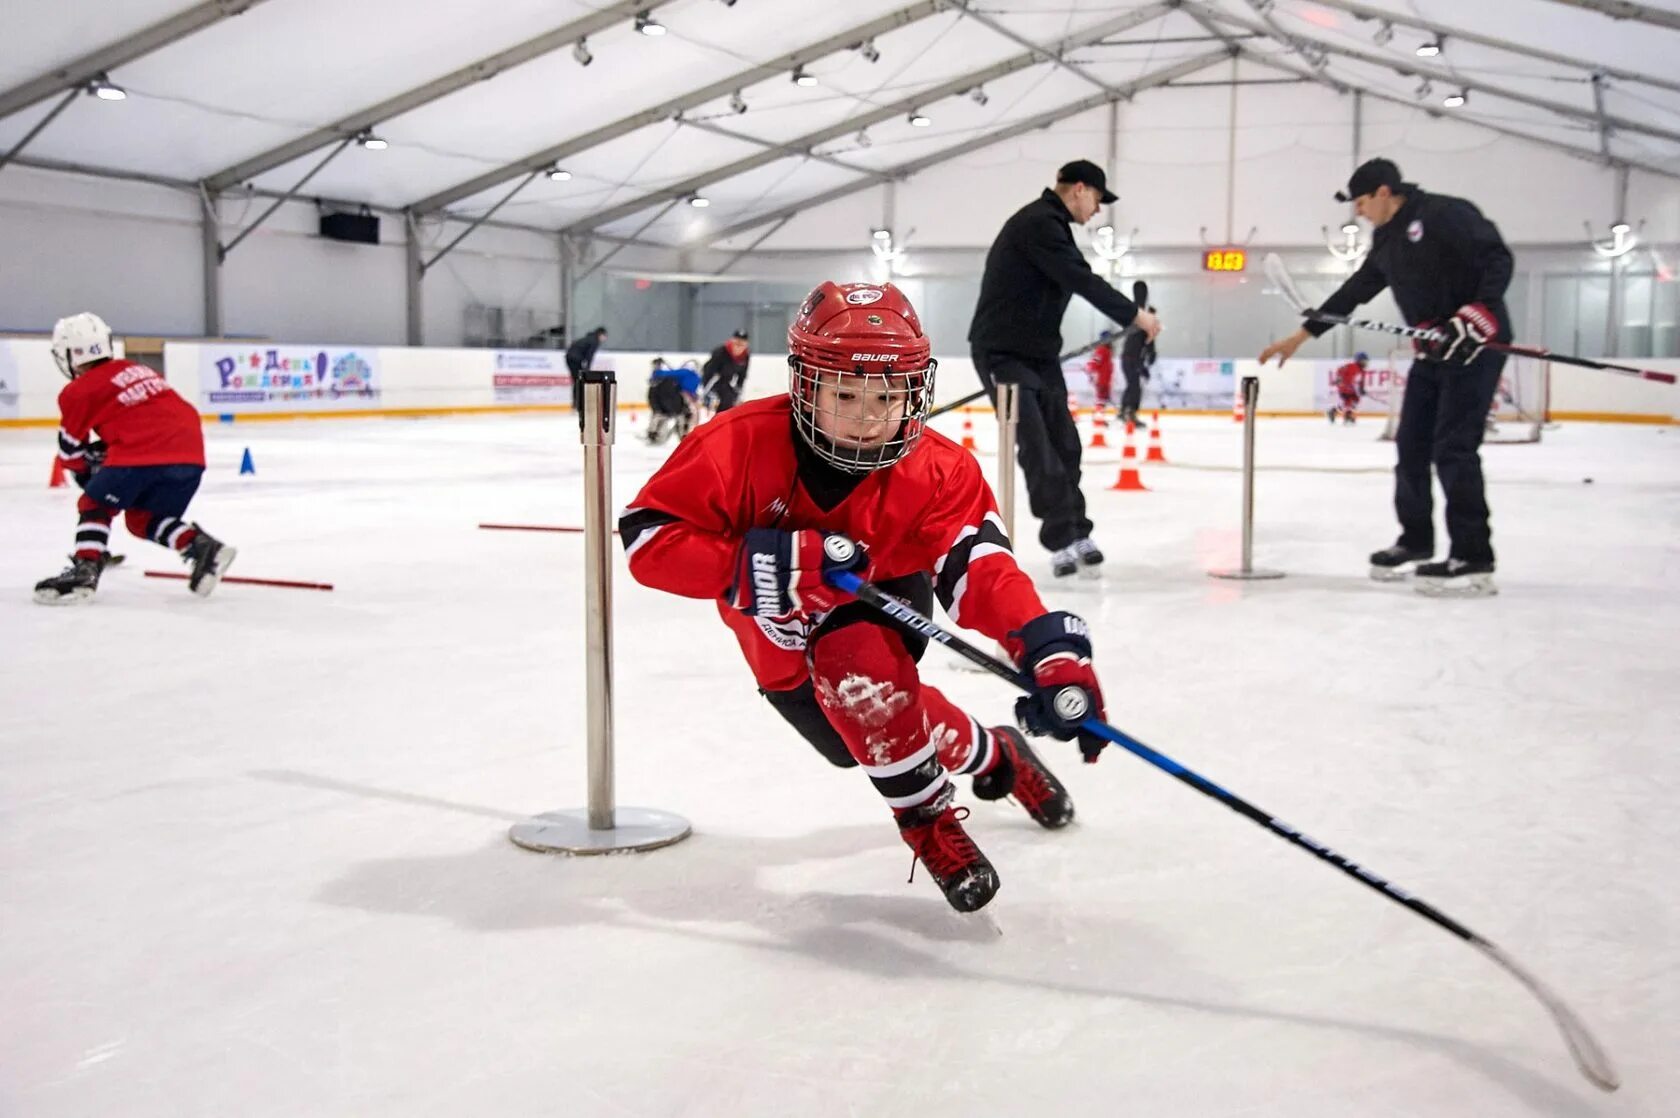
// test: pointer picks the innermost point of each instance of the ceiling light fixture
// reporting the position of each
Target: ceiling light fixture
(803, 79)
(647, 25)
(580, 53)
(978, 95)
(1429, 48)
(105, 89)
(555, 174)
(868, 50)
(1456, 100)
(699, 201)
(917, 120)
(737, 103)
(370, 141)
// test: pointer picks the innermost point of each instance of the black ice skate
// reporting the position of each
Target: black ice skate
(1064, 562)
(75, 584)
(1021, 774)
(1456, 578)
(210, 559)
(1393, 564)
(934, 832)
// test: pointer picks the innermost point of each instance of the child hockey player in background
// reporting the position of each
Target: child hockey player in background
(147, 463)
(673, 400)
(1349, 383)
(762, 502)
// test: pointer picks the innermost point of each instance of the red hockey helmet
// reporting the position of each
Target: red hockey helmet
(860, 373)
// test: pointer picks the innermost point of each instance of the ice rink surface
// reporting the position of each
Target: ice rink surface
(253, 857)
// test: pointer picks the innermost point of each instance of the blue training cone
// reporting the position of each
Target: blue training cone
(246, 466)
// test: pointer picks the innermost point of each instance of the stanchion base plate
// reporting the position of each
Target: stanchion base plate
(1245, 576)
(568, 831)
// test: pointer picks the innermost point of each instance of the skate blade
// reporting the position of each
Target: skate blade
(1392, 574)
(1464, 586)
(72, 598)
(224, 560)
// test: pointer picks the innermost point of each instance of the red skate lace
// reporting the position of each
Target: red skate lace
(1032, 787)
(943, 846)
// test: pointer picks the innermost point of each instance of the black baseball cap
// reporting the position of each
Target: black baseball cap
(1371, 174)
(1084, 171)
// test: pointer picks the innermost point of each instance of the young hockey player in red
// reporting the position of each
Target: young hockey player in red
(1349, 382)
(757, 506)
(1101, 368)
(147, 461)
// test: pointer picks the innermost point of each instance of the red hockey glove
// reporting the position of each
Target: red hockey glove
(1470, 328)
(1056, 650)
(779, 573)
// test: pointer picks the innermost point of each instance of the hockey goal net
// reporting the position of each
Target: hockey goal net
(1520, 406)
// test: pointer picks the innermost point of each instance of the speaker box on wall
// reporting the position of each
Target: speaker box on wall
(362, 229)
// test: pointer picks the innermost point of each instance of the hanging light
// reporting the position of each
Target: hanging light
(802, 79)
(367, 139)
(880, 235)
(917, 120)
(1456, 100)
(1425, 88)
(555, 174)
(863, 139)
(647, 25)
(868, 50)
(580, 53)
(699, 201)
(737, 103)
(1385, 34)
(1429, 48)
(978, 95)
(105, 89)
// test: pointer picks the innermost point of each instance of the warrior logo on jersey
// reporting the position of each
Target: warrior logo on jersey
(1414, 231)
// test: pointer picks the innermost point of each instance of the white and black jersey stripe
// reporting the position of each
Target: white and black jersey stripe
(950, 580)
(638, 526)
(912, 782)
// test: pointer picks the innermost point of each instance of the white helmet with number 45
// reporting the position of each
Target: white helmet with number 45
(79, 340)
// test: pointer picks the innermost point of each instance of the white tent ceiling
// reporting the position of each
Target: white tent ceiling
(211, 104)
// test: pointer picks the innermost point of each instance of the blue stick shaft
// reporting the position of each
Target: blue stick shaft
(872, 595)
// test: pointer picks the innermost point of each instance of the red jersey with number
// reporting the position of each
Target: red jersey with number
(930, 513)
(1350, 379)
(132, 408)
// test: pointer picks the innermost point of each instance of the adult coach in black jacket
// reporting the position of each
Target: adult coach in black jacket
(580, 359)
(1032, 270)
(1448, 268)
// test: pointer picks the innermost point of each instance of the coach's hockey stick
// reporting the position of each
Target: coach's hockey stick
(973, 396)
(1588, 1055)
(1279, 275)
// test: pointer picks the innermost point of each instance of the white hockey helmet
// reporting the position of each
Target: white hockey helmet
(80, 340)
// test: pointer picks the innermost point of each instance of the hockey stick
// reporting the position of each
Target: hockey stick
(1588, 1055)
(973, 396)
(1279, 275)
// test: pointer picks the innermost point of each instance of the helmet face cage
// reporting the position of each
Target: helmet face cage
(858, 419)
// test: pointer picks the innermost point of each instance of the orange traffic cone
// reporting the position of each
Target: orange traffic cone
(1099, 430)
(968, 433)
(1129, 479)
(1156, 454)
(57, 481)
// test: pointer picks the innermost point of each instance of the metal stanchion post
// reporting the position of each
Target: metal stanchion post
(1251, 399)
(602, 827)
(1009, 417)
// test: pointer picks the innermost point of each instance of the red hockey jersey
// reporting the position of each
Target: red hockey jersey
(1349, 379)
(135, 412)
(931, 512)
